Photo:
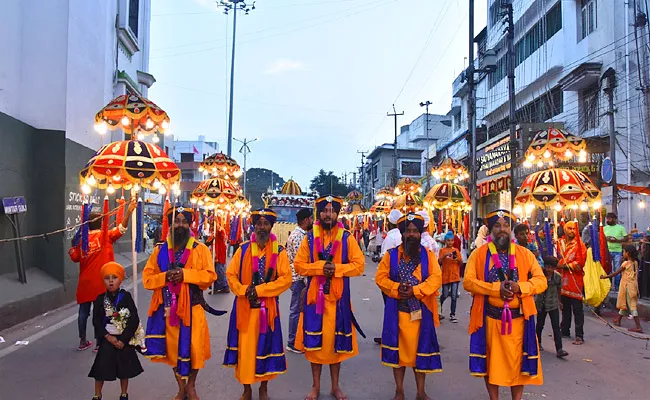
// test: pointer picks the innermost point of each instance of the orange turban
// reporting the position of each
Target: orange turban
(113, 268)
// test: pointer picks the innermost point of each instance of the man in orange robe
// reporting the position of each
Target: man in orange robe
(409, 275)
(328, 257)
(573, 255)
(178, 272)
(257, 274)
(504, 278)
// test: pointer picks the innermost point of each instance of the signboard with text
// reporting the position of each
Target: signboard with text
(14, 205)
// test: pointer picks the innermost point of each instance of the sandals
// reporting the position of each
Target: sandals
(579, 341)
(636, 330)
(85, 346)
(617, 321)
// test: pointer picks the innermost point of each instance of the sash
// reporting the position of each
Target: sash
(313, 321)
(270, 358)
(428, 352)
(156, 339)
(478, 342)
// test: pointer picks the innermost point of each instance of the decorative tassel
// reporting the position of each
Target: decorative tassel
(506, 319)
(173, 311)
(320, 299)
(548, 238)
(538, 240)
(165, 221)
(439, 222)
(139, 229)
(85, 229)
(120, 211)
(263, 318)
(105, 219)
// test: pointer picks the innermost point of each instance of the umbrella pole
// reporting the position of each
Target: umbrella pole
(214, 235)
(134, 256)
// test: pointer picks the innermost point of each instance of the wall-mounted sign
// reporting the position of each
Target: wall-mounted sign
(14, 205)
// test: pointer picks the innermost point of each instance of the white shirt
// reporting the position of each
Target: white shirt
(393, 239)
(427, 241)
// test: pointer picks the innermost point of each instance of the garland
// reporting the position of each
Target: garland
(175, 288)
(506, 315)
(257, 277)
(318, 248)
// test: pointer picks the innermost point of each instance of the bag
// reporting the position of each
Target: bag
(596, 289)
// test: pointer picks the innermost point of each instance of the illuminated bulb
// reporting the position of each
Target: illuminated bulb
(584, 206)
(641, 204)
(136, 187)
(574, 206)
(540, 164)
(528, 164)
(125, 121)
(200, 169)
(162, 190)
(175, 186)
(582, 153)
(101, 127)
(596, 205)
(140, 136)
(155, 139)
(110, 189)
(547, 154)
(558, 207)
(551, 163)
(164, 125)
(116, 178)
(568, 153)
(531, 157)
(200, 202)
(91, 181)
(530, 207)
(517, 210)
(156, 184)
(177, 192)
(148, 124)
(86, 189)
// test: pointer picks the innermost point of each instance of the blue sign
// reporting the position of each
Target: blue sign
(607, 170)
(14, 205)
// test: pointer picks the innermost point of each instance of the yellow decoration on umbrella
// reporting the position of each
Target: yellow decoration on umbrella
(557, 187)
(450, 170)
(133, 114)
(447, 195)
(552, 145)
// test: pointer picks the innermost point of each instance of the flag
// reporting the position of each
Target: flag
(195, 150)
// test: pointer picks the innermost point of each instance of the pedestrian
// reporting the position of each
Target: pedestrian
(116, 321)
(376, 240)
(393, 237)
(427, 241)
(504, 277)
(327, 327)
(220, 250)
(409, 276)
(481, 237)
(548, 303)
(573, 255)
(616, 235)
(178, 271)
(450, 259)
(100, 251)
(257, 274)
(522, 232)
(366, 241)
(628, 294)
(305, 218)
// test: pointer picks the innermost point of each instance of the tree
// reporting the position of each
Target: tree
(326, 183)
(258, 181)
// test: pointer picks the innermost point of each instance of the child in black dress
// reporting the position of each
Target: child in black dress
(116, 322)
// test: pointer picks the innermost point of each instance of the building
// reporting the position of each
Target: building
(188, 154)
(62, 61)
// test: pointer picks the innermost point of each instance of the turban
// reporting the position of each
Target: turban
(394, 216)
(322, 202)
(266, 213)
(187, 212)
(411, 218)
(494, 216)
(113, 268)
(449, 235)
(574, 224)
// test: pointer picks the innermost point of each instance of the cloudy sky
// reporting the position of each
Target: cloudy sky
(313, 78)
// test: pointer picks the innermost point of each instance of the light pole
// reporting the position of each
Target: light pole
(233, 5)
(245, 150)
(426, 104)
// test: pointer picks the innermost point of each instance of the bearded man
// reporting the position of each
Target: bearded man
(409, 276)
(257, 274)
(178, 272)
(328, 257)
(504, 279)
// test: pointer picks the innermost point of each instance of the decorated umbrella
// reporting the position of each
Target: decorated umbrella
(408, 202)
(291, 188)
(222, 166)
(381, 207)
(385, 193)
(558, 187)
(354, 197)
(554, 144)
(133, 114)
(215, 193)
(407, 185)
(447, 195)
(450, 170)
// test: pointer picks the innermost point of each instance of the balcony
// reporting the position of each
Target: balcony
(459, 87)
(456, 106)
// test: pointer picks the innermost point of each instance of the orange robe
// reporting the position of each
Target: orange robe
(199, 270)
(354, 267)
(409, 331)
(250, 330)
(504, 352)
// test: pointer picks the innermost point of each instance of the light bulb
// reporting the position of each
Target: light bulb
(156, 184)
(193, 200)
(641, 204)
(584, 206)
(101, 127)
(531, 157)
(148, 124)
(125, 120)
(110, 189)
(547, 154)
(530, 207)
(175, 186)
(574, 206)
(540, 164)
(117, 178)
(136, 187)
(582, 154)
(86, 189)
(162, 190)
(164, 125)
(517, 210)
(201, 202)
(596, 205)
(155, 139)
(568, 153)
(91, 181)
(551, 163)
(140, 136)
(528, 164)
(558, 207)
(200, 169)
(177, 192)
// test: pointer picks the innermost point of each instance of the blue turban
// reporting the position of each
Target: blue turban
(494, 216)
(322, 202)
(187, 212)
(449, 235)
(410, 218)
(266, 213)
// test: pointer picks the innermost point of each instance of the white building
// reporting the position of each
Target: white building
(61, 62)
(188, 154)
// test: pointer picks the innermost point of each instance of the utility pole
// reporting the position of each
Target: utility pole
(234, 6)
(395, 115)
(245, 150)
(362, 172)
(471, 123)
(610, 77)
(510, 58)
(426, 128)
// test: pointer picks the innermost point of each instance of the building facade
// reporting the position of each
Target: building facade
(188, 155)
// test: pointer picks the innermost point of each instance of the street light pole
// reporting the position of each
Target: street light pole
(233, 5)
(426, 104)
(245, 150)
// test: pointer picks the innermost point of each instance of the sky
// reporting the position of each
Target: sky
(314, 79)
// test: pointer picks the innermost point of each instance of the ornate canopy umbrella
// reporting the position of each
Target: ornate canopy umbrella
(450, 170)
(215, 192)
(381, 207)
(127, 163)
(221, 166)
(292, 188)
(407, 185)
(354, 197)
(554, 144)
(385, 193)
(558, 187)
(408, 202)
(447, 195)
(134, 114)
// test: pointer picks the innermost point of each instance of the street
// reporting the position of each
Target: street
(610, 365)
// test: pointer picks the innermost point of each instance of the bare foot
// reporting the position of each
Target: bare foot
(422, 396)
(264, 392)
(338, 394)
(191, 394)
(247, 395)
(179, 396)
(399, 396)
(313, 395)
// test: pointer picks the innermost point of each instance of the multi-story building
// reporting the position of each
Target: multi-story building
(188, 155)
(62, 61)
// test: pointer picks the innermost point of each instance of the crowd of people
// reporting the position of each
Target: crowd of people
(510, 281)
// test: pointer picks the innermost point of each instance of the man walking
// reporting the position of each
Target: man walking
(573, 255)
(616, 235)
(305, 218)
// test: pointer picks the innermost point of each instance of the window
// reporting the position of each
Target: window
(411, 168)
(187, 177)
(187, 157)
(588, 17)
(374, 172)
(589, 111)
(494, 13)
(457, 121)
(134, 13)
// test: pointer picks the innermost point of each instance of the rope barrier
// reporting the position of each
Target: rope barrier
(640, 336)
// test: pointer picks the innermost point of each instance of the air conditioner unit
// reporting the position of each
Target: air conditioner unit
(488, 62)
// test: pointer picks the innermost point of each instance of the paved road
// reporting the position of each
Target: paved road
(609, 366)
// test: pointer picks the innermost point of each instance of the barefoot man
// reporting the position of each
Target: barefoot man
(178, 272)
(328, 257)
(504, 279)
(257, 274)
(409, 276)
